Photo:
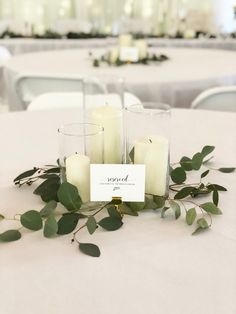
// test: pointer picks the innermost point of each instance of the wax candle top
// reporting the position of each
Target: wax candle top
(107, 112)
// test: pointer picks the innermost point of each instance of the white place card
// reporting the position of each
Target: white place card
(129, 54)
(125, 181)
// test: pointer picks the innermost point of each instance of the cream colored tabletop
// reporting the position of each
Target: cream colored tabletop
(149, 266)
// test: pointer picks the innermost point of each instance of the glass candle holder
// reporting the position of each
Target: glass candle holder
(79, 146)
(103, 105)
(147, 142)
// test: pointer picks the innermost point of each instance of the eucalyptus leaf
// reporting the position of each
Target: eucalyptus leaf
(191, 216)
(48, 189)
(186, 163)
(26, 174)
(131, 155)
(163, 211)
(178, 175)
(211, 208)
(176, 208)
(217, 187)
(90, 249)
(91, 224)
(53, 170)
(202, 226)
(110, 223)
(126, 210)
(215, 197)
(197, 161)
(149, 202)
(31, 220)
(67, 223)
(136, 206)
(68, 196)
(10, 236)
(113, 212)
(48, 209)
(205, 173)
(1, 217)
(184, 192)
(50, 227)
(207, 160)
(226, 170)
(207, 150)
(159, 201)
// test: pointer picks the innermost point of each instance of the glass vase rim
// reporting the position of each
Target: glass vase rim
(161, 108)
(61, 129)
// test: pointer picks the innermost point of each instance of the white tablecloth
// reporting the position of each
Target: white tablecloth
(148, 266)
(23, 45)
(176, 82)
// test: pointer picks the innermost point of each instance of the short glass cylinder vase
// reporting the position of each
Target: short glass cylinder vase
(103, 105)
(147, 142)
(80, 144)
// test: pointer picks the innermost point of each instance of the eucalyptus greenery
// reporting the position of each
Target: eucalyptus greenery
(180, 201)
(105, 59)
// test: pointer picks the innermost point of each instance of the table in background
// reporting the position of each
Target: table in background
(149, 266)
(25, 45)
(176, 82)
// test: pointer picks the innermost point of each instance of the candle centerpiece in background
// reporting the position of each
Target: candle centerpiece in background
(149, 144)
(80, 144)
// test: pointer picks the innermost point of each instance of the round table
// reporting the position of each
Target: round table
(176, 82)
(151, 265)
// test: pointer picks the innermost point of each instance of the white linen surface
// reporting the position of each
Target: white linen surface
(176, 82)
(149, 266)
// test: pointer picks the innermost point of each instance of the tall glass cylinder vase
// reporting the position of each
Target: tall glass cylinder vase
(103, 105)
(79, 146)
(147, 142)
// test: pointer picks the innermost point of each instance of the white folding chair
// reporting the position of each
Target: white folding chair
(5, 54)
(218, 98)
(28, 87)
(67, 100)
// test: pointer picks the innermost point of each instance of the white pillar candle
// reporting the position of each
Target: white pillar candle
(125, 40)
(142, 48)
(78, 174)
(114, 55)
(110, 119)
(153, 152)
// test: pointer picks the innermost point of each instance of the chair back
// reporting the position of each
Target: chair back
(5, 54)
(219, 99)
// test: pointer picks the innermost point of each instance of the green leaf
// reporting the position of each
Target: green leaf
(211, 208)
(197, 161)
(131, 155)
(26, 174)
(91, 224)
(207, 150)
(159, 201)
(215, 197)
(50, 227)
(202, 225)
(191, 216)
(186, 163)
(67, 223)
(113, 212)
(68, 196)
(178, 175)
(136, 206)
(2, 217)
(110, 223)
(90, 249)
(204, 174)
(226, 170)
(10, 236)
(163, 211)
(48, 189)
(126, 210)
(184, 192)
(53, 170)
(48, 209)
(149, 202)
(217, 187)
(32, 220)
(176, 208)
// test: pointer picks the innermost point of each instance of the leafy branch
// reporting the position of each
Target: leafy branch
(75, 217)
